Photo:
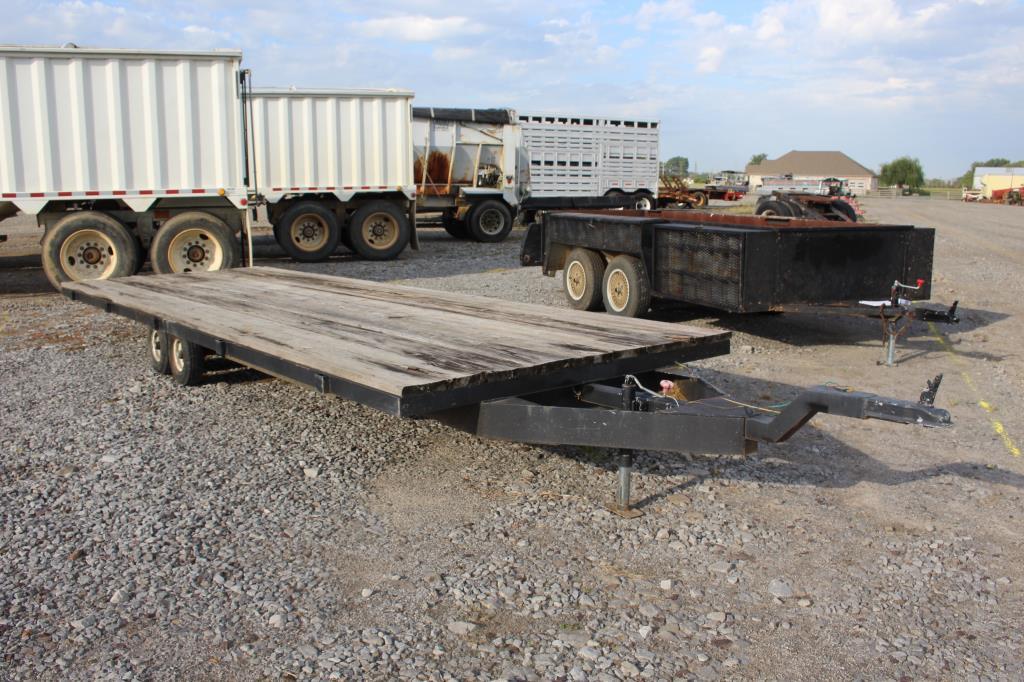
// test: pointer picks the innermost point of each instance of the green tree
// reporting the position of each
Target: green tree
(968, 178)
(677, 165)
(904, 171)
(758, 158)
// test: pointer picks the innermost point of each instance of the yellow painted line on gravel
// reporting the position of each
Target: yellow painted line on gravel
(985, 405)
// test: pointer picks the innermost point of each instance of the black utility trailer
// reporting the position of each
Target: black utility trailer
(738, 264)
(500, 370)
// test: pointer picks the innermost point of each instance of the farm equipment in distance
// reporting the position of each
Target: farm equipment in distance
(676, 191)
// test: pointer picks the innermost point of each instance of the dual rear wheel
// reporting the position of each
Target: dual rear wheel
(621, 285)
(183, 360)
(86, 245)
(310, 232)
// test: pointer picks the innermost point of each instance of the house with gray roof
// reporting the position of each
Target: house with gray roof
(815, 166)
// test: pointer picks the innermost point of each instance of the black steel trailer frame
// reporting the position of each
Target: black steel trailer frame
(574, 406)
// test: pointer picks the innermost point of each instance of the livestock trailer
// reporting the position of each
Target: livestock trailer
(335, 166)
(470, 165)
(574, 158)
(738, 264)
(509, 371)
(119, 151)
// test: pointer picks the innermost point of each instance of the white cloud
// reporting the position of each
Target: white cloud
(709, 59)
(418, 28)
(454, 53)
(652, 14)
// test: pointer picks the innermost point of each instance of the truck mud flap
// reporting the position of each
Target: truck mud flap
(532, 250)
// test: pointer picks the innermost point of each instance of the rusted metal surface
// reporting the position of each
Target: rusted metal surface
(711, 218)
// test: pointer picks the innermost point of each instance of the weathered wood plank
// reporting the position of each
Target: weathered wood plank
(394, 339)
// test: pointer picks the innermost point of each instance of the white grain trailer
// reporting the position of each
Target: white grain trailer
(471, 166)
(336, 165)
(119, 151)
(576, 157)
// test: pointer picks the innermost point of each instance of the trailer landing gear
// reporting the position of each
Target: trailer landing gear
(620, 506)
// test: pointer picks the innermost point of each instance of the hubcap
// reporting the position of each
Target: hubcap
(194, 250)
(618, 290)
(88, 254)
(155, 348)
(178, 355)
(492, 222)
(576, 280)
(380, 230)
(309, 232)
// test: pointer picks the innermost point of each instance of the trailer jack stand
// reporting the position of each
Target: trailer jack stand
(621, 506)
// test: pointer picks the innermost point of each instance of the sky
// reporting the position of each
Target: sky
(939, 80)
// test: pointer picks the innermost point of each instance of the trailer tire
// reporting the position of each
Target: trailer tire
(625, 289)
(379, 230)
(308, 232)
(700, 199)
(774, 207)
(159, 355)
(88, 245)
(644, 201)
(490, 221)
(582, 279)
(186, 361)
(194, 241)
(840, 206)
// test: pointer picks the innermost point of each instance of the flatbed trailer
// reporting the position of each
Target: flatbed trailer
(501, 370)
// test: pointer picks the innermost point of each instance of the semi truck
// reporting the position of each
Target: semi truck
(470, 165)
(124, 155)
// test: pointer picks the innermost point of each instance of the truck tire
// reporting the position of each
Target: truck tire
(644, 201)
(625, 288)
(455, 227)
(194, 241)
(582, 278)
(186, 361)
(840, 206)
(490, 221)
(773, 207)
(159, 355)
(379, 230)
(88, 245)
(308, 232)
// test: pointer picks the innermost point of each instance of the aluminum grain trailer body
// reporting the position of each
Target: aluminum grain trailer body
(575, 160)
(120, 152)
(503, 370)
(470, 165)
(336, 166)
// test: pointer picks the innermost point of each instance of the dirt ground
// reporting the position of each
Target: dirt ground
(903, 545)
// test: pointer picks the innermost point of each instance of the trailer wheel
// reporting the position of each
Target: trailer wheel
(455, 227)
(194, 241)
(840, 206)
(379, 230)
(700, 199)
(186, 361)
(644, 201)
(490, 221)
(159, 356)
(773, 207)
(625, 288)
(88, 245)
(582, 277)
(308, 232)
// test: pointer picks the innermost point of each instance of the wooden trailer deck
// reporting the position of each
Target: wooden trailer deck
(405, 350)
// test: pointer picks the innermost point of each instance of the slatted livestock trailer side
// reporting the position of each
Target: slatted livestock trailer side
(501, 370)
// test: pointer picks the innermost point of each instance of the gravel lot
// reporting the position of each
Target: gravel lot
(250, 529)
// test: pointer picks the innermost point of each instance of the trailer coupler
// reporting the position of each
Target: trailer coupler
(687, 415)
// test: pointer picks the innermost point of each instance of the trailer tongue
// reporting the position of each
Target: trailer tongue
(502, 370)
